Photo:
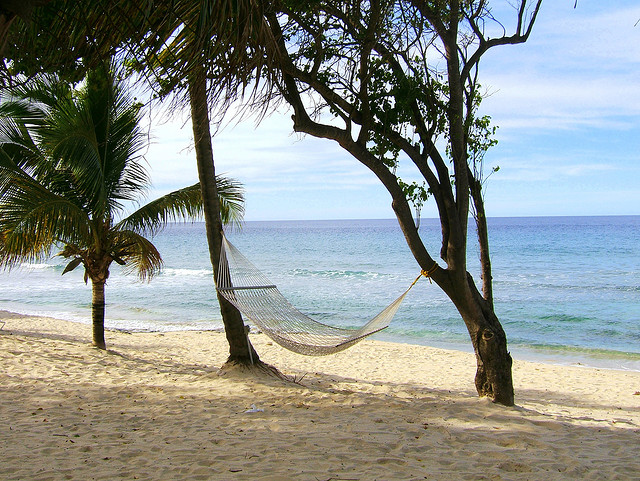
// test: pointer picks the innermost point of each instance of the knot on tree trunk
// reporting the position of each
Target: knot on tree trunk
(487, 335)
(494, 368)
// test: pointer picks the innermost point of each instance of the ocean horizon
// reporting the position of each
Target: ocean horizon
(566, 288)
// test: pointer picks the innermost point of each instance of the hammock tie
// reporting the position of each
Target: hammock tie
(426, 273)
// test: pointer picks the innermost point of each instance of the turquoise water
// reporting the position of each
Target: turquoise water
(567, 289)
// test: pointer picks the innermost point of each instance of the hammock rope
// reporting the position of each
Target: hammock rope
(260, 301)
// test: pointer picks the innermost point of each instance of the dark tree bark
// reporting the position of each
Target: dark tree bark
(239, 345)
(97, 313)
(483, 240)
(493, 375)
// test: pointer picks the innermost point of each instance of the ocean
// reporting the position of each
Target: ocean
(567, 289)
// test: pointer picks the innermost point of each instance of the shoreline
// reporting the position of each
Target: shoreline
(158, 406)
(560, 356)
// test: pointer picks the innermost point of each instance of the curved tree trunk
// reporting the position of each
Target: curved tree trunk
(239, 345)
(493, 375)
(452, 109)
(97, 314)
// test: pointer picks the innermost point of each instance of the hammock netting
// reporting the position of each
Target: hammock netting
(260, 301)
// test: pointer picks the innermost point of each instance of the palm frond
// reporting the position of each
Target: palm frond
(18, 117)
(95, 135)
(42, 91)
(185, 204)
(72, 265)
(17, 111)
(68, 163)
(231, 195)
(125, 174)
(174, 206)
(138, 254)
(69, 140)
(34, 219)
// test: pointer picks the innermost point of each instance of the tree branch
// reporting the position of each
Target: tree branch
(515, 39)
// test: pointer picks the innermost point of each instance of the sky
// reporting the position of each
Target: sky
(567, 107)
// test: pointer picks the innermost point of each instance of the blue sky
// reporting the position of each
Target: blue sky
(567, 104)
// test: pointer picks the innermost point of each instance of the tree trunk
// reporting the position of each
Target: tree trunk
(97, 314)
(493, 375)
(483, 241)
(239, 345)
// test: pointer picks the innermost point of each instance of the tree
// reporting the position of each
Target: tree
(396, 81)
(169, 44)
(240, 349)
(204, 45)
(70, 164)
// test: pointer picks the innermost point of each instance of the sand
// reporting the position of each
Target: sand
(156, 406)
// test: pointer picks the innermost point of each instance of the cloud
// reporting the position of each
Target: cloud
(542, 168)
(605, 33)
(563, 102)
(578, 70)
(567, 103)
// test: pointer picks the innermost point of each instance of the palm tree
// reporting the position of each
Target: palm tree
(204, 52)
(70, 165)
(202, 56)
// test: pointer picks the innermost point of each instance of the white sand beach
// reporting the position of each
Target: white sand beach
(156, 407)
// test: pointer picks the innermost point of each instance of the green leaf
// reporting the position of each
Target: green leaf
(72, 265)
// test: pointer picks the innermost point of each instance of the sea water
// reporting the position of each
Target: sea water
(567, 289)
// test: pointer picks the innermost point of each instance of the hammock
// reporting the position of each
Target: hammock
(260, 301)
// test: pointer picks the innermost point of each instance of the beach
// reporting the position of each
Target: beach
(157, 406)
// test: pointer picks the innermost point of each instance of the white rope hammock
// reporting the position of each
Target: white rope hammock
(260, 301)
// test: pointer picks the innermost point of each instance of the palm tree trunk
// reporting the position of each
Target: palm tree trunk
(97, 314)
(239, 345)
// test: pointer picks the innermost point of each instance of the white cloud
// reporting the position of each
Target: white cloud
(567, 103)
(604, 32)
(578, 70)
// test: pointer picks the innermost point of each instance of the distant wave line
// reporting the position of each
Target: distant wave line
(185, 272)
(340, 274)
